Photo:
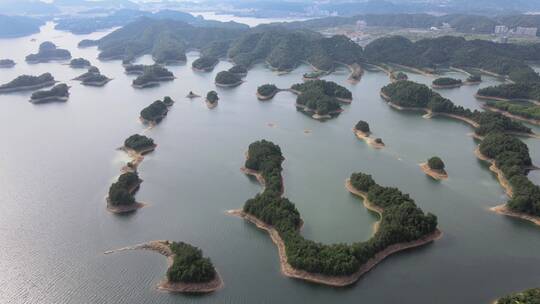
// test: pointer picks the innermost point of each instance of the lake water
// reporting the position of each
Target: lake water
(58, 160)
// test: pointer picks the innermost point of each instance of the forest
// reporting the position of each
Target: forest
(121, 191)
(227, 78)
(47, 52)
(446, 81)
(152, 74)
(527, 90)
(212, 97)
(436, 163)
(59, 90)
(155, 112)
(138, 142)
(79, 63)
(28, 80)
(362, 126)
(530, 296)
(189, 265)
(205, 63)
(267, 90)
(321, 96)
(523, 108)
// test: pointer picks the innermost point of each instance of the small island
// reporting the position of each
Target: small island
(28, 83)
(362, 131)
(93, 77)
(139, 144)
(134, 69)
(519, 110)
(446, 83)
(239, 70)
(227, 79)
(205, 64)
(152, 76)
(434, 167)
(6, 63)
(59, 92)
(398, 76)
(267, 91)
(48, 52)
(320, 98)
(530, 296)
(121, 194)
(189, 271)
(192, 95)
(156, 111)
(79, 63)
(473, 79)
(313, 75)
(212, 99)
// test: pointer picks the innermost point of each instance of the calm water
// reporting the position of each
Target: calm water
(58, 161)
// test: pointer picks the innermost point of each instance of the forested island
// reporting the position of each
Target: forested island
(7, 63)
(446, 83)
(156, 111)
(139, 144)
(238, 70)
(530, 296)
(474, 79)
(403, 225)
(398, 76)
(267, 91)
(320, 98)
(205, 63)
(93, 77)
(134, 69)
(189, 271)
(79, 63)
(434, 167)
(59, 92)
(28, 83)
(363, 132)
(152, 75)
(48, 52)
(512, 91)
(212, 99)
(121, 197)
(227, 79)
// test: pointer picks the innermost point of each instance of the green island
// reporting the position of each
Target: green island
(205, 63)
(313, 75)
(402, 224)
(512, 91)
(398, 76)
(7, 63)
(139, 144)
(212, 99)
(529, 296)
(238, 70)
(152, 76)
(363, 132)
(121, 197)
(474, 79)
(79, 63)
(156, 111)
(93, 77)
(134, 69)
(28, 83)
(267, 91)
(189, 271)
(48, 52)
(227, 79)
(522, 110)
(446, 83)
(434, 168)
(320, 98)
(59, 92)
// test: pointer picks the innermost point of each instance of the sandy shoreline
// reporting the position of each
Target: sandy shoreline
(162, 247)
(211, 105)
(366, 137)
(493, 168)
(267, 97)
(433, 173)
(232, 85)
(504, 210)
(513, 116)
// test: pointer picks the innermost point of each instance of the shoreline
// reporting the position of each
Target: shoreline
(493, 168)
(504, 210)
(96, 84)
(231, 85)
(496, 98)
(366, 137)
(49, 99)
(28, 88)
(162, 247)
(447, 86)
(267, 97)
(136, 156)
(433, 173)
(513, 116)
(211, 105)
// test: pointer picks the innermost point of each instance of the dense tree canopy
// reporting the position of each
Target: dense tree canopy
(79, 63)
(513, 91)
(212, 97)
(138, 142)
(189, 265)
(28, 80)
(530, 296)
(320, 96)
(153, 74)
(238, 69)
(155, 112)
(205, 63)
(227, 78)
(47, 52)
(362, 126)
(446, 81)
(267, 90)
(59, 90)
(121, 192)
(522, 109)
(435, 163)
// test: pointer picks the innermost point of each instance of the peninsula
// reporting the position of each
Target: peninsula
(402, 226)
(362, 131)
(48, 52)
(59, 92)
(227, 79)
(434, 168)
(28, 83)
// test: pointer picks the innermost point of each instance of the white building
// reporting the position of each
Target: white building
(526, 31)
(501, 29)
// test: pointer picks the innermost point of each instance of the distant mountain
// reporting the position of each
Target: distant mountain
(27, 7)
(14, 26)
(98, 3)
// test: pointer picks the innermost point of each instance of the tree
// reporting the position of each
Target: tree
(435, 163)
(362, 126)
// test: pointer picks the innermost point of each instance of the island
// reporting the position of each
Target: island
(267, 91)
(93, 77)
(473, 79)
(362, 131)
(434, 168)
(313, 75)
(134, 69)
(121, 194)
(139, 144)
(402, 224)
(446, 83)
(156, 111)
(398, 76)
(212, 99)
(28, 83)
(189, 271)
(7, 63)
(530, 296)
(192, 95)
(152, 76)
(79, 63)
(227, 79)
(59, 92)
(239, 70)
(205, 64)
(320, 98)
(48, 52)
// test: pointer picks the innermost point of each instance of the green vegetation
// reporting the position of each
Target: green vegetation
(168, 101)
(155, 112)
(212, 97)
(79, 63)
(189, 265)
(474, 78)
(522, 109)
(267, 90)
(314, 75)
(410, 94)
(399, 76)
(47, 52)
(401, 222)
(446, 81)
(227, 78)
(205, 63)
(18, 26)
(321, 96)
(512, 157)
(530, 296)
(134, 68)
(58, 91)
(435, 163)
(121, 192)
(528, 90)
(238, 70)
(26, 81)
(362, 126)
(95, 79)
(6, 63)
(139, 142)
(152, 75)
